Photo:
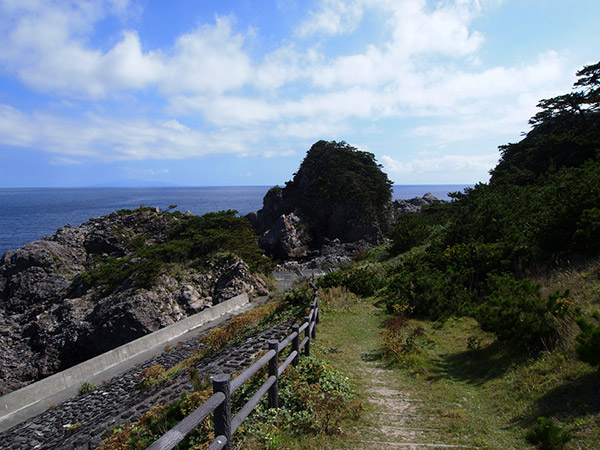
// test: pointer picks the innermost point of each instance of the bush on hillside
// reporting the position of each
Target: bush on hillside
(588, 340)
(361, 281)
(541, 207)
(547, 435)
(193, 240)
(517, 313)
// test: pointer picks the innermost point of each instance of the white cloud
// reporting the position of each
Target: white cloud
(105, 138)
(46, 46)
(441, 164)
(14, 127)
(109, 139)
(211, 59)
(420, 65)
(333, 17)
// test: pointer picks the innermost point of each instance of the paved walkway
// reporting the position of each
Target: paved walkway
(42, 405)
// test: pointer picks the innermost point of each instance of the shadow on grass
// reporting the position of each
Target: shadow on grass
(478, 365)
(374, 355)
(574, 398)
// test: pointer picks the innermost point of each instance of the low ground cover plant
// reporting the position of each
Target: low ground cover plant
(314, 399)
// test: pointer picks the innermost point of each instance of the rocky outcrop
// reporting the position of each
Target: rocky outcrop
(300, 244)
(287, 237)
(52, 316)
(338, 193)
(414, 205)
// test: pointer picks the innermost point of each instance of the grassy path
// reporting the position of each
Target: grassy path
(396, 416)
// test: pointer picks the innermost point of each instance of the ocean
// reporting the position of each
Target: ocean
(28, 214)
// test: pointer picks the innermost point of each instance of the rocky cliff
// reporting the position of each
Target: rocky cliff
(91, 288)
(338, 194)
(337, 204)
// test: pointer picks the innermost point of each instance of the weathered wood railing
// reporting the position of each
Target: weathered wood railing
(220, 402)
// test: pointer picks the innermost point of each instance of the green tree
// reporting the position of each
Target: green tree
(338, 188)
(565, 133)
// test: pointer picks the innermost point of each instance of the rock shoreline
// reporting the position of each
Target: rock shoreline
(284, 234)
(52, 319)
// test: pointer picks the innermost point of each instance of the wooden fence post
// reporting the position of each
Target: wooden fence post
(222, 415)
(274, 370)
(296, 344)
(307, 334)
(318, 313)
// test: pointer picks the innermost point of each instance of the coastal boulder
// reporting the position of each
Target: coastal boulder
(287, 238)
(414, 205)
(339, 192)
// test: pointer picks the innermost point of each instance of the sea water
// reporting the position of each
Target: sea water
(28, 214)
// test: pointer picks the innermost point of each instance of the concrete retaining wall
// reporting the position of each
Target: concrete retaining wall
(76, 375)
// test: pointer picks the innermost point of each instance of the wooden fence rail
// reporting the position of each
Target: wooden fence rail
(220, 402)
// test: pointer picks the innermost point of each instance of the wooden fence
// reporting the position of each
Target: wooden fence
(220, 402)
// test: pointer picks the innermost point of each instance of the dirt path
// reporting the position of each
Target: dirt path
(394, 416)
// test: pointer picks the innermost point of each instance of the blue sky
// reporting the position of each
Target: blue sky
(204, 93)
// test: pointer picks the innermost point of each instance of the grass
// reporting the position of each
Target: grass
(474, 391)
(464, 387)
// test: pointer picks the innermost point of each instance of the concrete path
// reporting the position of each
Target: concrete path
(284, 281)
(34, 409)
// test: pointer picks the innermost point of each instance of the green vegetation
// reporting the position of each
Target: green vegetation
(86, 387)
(484, 308)
(360, 280)
(195, 241)
(494, 296)
(314, 398)
(157, 421)
(588, 341)
(547, 435)
(335, 177)
(472, 257)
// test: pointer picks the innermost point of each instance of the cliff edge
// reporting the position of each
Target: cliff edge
(88, 289)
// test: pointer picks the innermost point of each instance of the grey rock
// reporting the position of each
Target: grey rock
(51, 319)
(414, 205)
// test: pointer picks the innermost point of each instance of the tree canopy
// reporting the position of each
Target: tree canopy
(541, 208)
(565, 133)
(334, 176)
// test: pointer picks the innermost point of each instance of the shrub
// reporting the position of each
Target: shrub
(152, 375)
(516, 312)
(87, 387)
(400, 341)
(547, 436)
(411, 230)
(300, 295)
(157, 421)
(313, 398)
(362, 281)
(336, 299)
(588, 340)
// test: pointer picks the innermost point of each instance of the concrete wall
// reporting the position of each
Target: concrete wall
(76, 375)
